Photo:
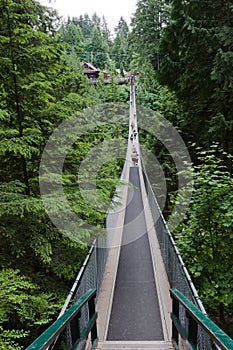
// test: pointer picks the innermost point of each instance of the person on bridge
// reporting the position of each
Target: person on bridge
(135, 159)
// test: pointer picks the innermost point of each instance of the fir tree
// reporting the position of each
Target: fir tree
(196, 50)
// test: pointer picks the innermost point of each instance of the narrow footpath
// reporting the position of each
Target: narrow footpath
(135, 314)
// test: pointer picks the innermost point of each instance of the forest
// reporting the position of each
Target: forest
(183, 52)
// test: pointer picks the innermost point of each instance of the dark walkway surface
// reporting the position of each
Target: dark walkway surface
(135, 314)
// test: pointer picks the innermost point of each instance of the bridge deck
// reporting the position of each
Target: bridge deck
(135, 311)
(134, 304)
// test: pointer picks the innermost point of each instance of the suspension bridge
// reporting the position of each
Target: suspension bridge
(133, 290)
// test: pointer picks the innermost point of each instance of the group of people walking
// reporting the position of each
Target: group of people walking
(134, 156)
(133, 131)
(133, 136)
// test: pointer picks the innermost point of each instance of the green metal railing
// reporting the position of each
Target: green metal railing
(196, 320)
(71, 316)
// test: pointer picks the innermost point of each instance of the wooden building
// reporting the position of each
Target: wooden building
(90, 71)
(93, 74)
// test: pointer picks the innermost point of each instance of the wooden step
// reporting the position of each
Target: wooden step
(135, 345)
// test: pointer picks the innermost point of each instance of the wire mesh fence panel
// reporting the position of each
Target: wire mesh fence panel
(203, 340)
(87, 281)
(101, 258)
(172, 261)
(90, 278)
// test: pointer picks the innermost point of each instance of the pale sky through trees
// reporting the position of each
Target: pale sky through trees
(112, 10)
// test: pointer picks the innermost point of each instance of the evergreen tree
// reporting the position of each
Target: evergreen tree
(85, 24)
(28, 60)
(33, 79)
(221, 123)
(196, 50)
(147, 23)
(72, 35)
(122, 26)
(120, 50)
(97, 49)
(95, 20)
(106, 32)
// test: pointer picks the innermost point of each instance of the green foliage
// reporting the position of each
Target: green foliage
(205, 239)
(120, 48)
(94, 42)
(97, 48)
(84, 23)
(196, 50)
(72, 35)
(106, 32)
(92, 38)
(111, 92)
(41, 85)
(149, 19)
(22, 305)
(8, 339)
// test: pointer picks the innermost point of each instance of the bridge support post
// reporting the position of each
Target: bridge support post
(91, 307)
(175, 312)
(192, 329)
(75, 328)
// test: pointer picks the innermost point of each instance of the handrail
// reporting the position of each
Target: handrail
(71, 315)
(196, 318)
